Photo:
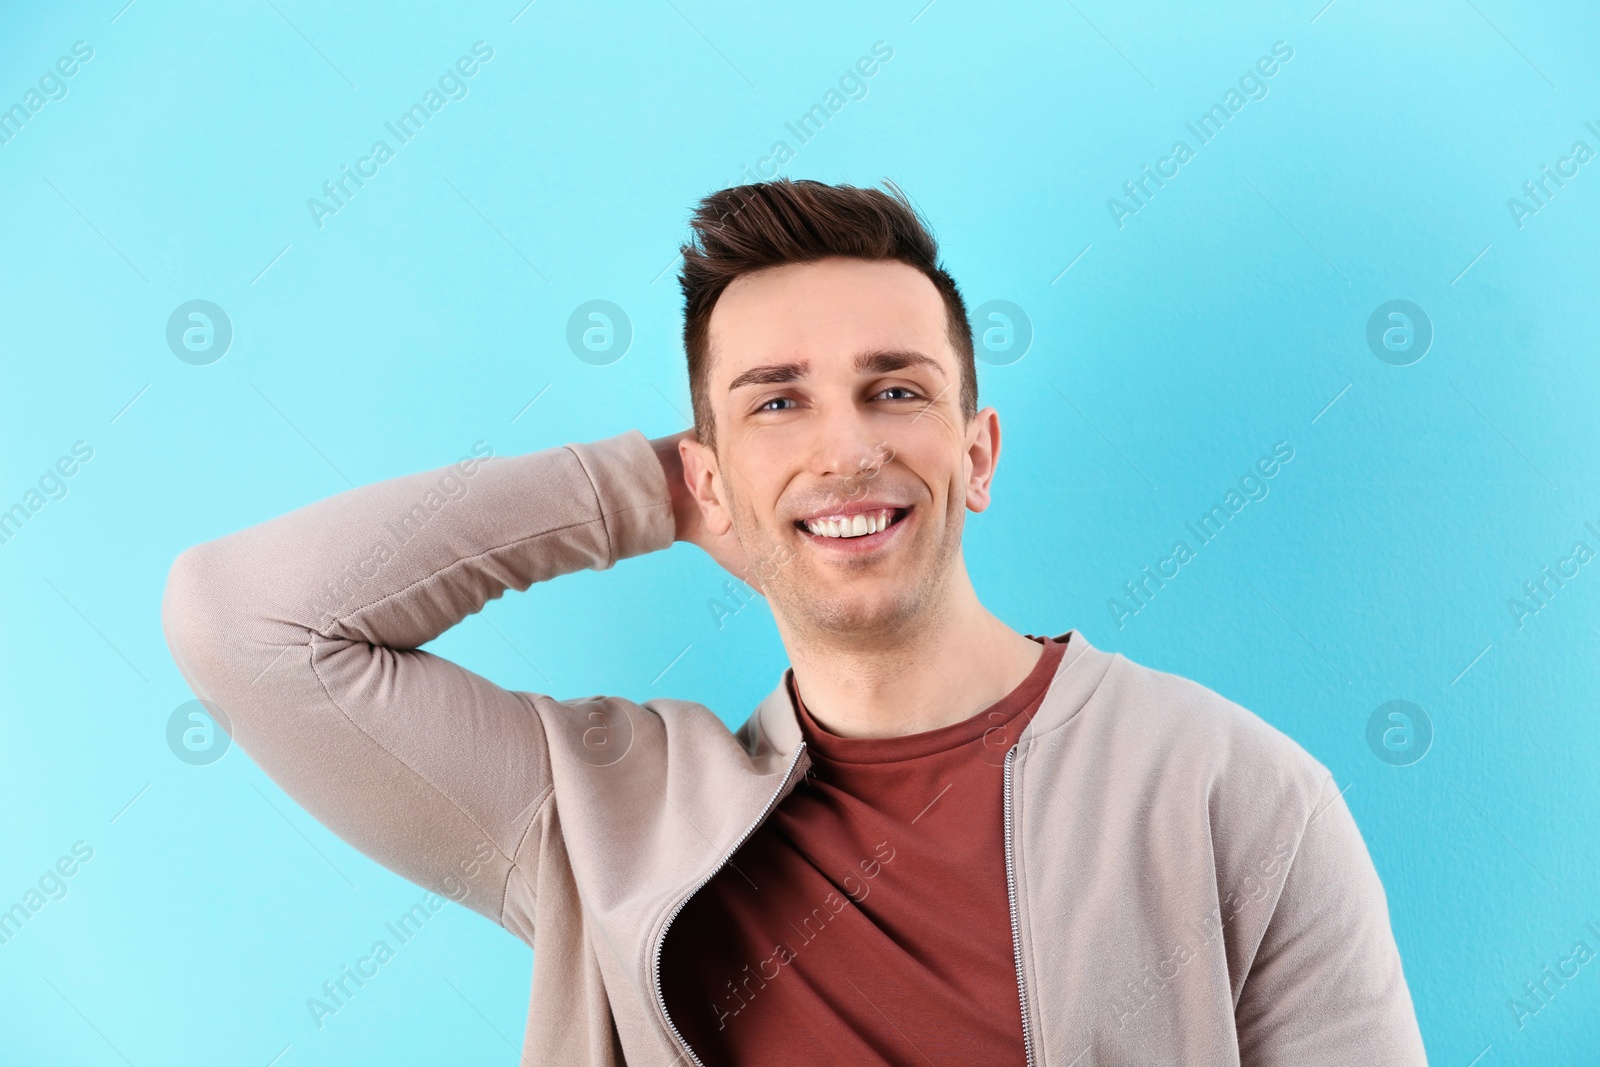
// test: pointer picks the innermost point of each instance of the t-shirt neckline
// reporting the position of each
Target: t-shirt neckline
(997, 716)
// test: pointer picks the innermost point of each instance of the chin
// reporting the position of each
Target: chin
(860, 610)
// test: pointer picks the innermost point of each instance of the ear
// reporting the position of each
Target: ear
(704, 477)
(983, 454)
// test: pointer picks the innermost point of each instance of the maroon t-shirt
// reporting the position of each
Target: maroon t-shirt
(867, 919)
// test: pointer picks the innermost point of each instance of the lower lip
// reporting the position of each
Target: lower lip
(855, 546)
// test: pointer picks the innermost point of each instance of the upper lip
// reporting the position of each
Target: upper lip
(856, 507)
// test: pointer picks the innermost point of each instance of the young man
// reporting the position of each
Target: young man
(937, 841)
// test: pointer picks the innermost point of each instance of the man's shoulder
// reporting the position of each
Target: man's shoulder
(673, 736)
(1177, 734)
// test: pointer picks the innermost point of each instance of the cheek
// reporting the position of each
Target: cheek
(939, 421)
(753, 520)
(930, 466)
(761, 459)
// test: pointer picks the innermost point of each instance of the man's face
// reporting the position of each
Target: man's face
(842, 461)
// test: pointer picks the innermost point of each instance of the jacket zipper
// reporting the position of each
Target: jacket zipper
(1016, 927)
(661, 941)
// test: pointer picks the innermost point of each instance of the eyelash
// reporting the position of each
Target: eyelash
(903, 388)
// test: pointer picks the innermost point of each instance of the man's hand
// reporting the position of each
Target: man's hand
(691, 524)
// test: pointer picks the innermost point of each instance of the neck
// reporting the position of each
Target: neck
(918, 676)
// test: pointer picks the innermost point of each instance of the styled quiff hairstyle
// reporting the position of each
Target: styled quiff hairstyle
(747, 228)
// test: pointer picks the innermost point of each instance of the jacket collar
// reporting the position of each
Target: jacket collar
(1080, 670)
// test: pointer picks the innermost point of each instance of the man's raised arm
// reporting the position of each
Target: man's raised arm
(304, 631)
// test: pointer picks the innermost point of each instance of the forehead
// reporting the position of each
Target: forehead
(825, 312)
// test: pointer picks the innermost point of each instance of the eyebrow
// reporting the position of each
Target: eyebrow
(875, 361)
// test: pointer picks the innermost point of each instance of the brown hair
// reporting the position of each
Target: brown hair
(747, 228)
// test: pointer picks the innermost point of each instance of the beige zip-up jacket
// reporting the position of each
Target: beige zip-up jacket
(1187, 884)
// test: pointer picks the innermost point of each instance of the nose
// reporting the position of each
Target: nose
(844, 443)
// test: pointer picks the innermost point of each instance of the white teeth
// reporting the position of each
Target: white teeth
(853, 526)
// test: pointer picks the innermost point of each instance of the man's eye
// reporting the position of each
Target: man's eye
(908, 393)
(766, 405)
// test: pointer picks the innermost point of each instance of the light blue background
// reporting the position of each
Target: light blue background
(1228, 314)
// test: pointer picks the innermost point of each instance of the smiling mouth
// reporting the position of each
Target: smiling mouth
(849, 527)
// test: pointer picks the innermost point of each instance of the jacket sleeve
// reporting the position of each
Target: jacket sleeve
(1326, 988)
(304, 632)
